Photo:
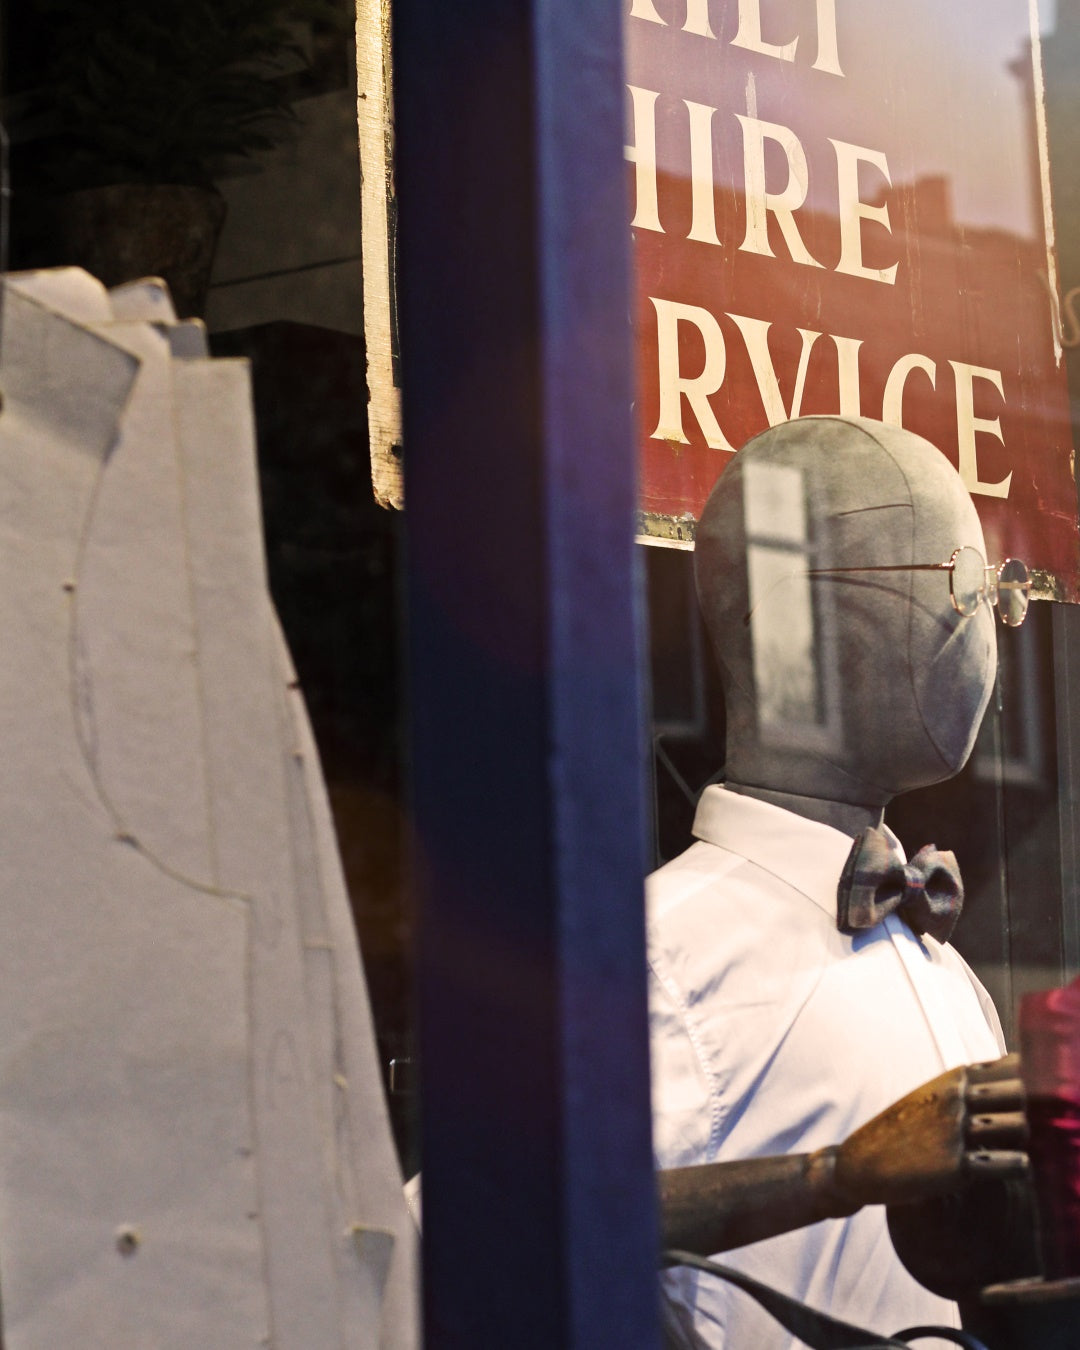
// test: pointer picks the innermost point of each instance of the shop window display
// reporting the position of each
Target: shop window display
(840, 213)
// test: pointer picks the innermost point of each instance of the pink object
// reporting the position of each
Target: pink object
(1050, 1051)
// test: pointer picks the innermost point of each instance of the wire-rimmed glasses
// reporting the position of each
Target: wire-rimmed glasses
(971, 580)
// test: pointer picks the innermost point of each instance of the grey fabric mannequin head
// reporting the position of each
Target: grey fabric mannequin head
(842, 690)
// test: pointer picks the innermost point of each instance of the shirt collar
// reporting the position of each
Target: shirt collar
(803, 853)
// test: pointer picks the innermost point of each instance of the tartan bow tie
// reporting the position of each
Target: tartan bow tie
(927, 892)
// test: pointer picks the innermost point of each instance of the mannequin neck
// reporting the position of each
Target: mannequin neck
(847, 817)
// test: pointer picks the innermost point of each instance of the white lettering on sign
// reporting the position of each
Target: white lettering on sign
(828, 47)
(697, 389)
(645, 9)
(755, 333)
(703, 225)
(892, 403)
(749, 35)
(968, 425)
(853, 210)
(642, 154)
(847, 375)
(760, 203)
(774, 196)
(697, 16)
(674, 385)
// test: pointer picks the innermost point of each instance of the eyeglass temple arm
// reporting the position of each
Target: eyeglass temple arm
(883, 567)
(836, 571)
(887, 567)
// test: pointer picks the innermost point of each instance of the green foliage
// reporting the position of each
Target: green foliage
(162, 91)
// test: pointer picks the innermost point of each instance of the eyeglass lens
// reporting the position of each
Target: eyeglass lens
(1013, 586)
(1008, 588)
(968, 580)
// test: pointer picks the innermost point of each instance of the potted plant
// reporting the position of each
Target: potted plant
(149, 103)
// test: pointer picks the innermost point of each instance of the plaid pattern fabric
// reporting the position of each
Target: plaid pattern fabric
(926, 892)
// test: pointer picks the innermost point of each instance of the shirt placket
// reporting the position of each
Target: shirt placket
(918, 966)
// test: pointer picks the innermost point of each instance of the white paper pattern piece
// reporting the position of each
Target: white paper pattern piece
(194, 1149)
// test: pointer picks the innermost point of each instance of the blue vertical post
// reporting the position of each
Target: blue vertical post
(525, 705)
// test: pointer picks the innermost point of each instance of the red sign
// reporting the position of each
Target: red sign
(841, 207)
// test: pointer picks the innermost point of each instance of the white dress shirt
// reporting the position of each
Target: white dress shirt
(774, 1033)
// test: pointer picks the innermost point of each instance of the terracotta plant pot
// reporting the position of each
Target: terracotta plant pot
(130, 230)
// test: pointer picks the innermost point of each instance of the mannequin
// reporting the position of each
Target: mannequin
(910, 705)
(772, 1031)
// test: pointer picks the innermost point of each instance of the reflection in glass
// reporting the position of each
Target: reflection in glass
(785, 674)
(786, 635)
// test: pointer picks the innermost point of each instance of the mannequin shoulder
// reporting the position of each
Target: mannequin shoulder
(968, 989)
(699, 871)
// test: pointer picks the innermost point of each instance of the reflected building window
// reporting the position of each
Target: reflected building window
(790, 623)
